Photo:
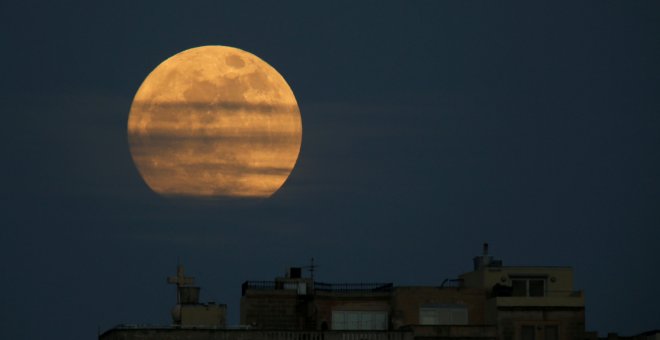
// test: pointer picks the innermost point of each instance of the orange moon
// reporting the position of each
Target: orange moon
(214, 121)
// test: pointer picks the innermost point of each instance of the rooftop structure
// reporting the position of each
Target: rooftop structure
(493, 301)
(188, 311)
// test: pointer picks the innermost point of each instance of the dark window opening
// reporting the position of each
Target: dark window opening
(527, 333)
(527, 287)
(536, 287)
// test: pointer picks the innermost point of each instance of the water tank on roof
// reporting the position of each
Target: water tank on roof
(294, 273)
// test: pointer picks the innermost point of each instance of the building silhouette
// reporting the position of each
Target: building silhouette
(492, 301)
(188, 312)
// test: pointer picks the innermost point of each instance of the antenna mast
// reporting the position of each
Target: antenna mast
(312, 267)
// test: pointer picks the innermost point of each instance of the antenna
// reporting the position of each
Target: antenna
(180, 280)
(312, 268)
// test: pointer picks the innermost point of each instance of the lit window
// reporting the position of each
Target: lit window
(443, 315)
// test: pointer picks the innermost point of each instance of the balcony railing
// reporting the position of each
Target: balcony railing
(547, 293)
(258, 285)
(321, 286)
(550, 299)
(353, 287)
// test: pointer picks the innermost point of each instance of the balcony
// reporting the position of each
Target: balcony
(549, 299)
(320, 287)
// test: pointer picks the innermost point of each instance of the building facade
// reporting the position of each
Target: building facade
(188, 311)
(528, 303)
(492, 301)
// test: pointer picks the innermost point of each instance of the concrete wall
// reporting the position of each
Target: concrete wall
(286, 310)
(561, 306)
(272, 309)
(326, 302)
(203, 315)
(217, 334)
(454, 332)
(406, 302)
(559, 279)
(570, 321)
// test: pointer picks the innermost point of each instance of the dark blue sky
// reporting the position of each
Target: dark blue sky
(429, 127)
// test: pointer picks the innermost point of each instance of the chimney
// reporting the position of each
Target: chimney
(485, 260)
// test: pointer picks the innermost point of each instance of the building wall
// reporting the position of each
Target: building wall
(556, 305)
(203, 315)
(222, 334)
(326, 302)
(570, 322)
(287, 310)
(407, 301)
(453, 332)
(559, 306)
(272, 309)
(560, 279)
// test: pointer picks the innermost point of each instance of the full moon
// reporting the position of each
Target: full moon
(214, 121)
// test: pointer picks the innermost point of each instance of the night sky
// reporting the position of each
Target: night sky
(429, 127)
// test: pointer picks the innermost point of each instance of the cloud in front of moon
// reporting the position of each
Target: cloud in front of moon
(214, 121)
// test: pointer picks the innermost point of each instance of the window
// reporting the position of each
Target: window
(359, 320)
(551, 333)
(443, 315)
(536, 287)
(519, 287)
(301, 287)
(527, 333)
(522, 286)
